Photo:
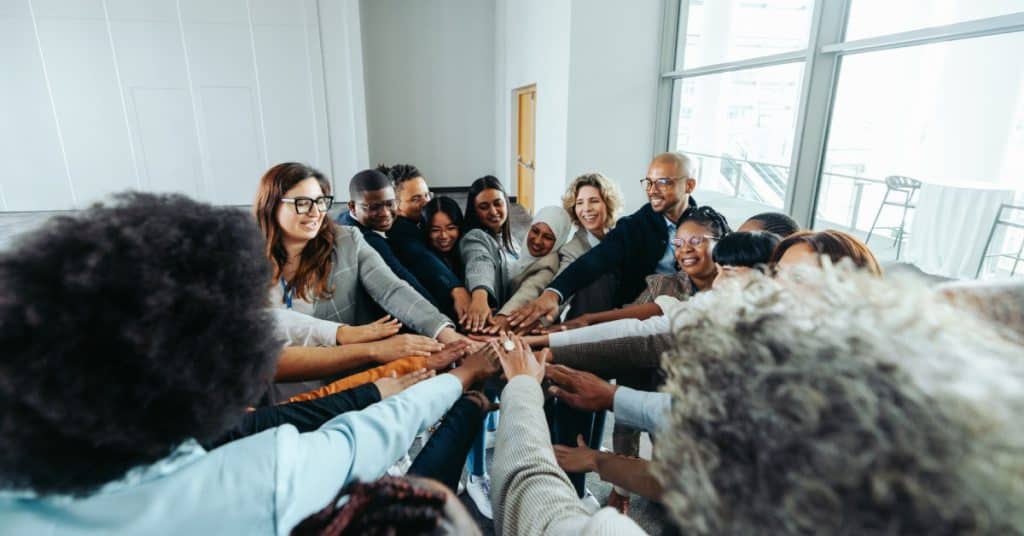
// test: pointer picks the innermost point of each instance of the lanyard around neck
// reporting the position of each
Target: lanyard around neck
(287, 294)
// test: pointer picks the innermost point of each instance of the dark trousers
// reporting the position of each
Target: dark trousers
(443, 456)
(565, 423)
(306, 416)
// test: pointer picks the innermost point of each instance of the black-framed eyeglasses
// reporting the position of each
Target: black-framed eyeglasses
(693, 240)
(388, 204)
(661, 183)
(303, 205)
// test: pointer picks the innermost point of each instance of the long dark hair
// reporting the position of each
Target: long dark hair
(317, 260)
(489, 182)
(450, 208)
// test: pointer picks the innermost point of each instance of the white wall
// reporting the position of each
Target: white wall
(595, 63)
(613, 90)
(430, 86)
(534, 49)
(190, 96)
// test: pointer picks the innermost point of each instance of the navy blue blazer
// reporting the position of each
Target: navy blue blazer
(631, 251)
(380, 244)
(406, 239)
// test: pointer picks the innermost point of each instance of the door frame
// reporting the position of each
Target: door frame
(514, 155)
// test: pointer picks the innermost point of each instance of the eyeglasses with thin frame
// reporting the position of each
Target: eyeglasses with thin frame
(694, 240)
(662, 183)
(388, 204)
(303, 205)
(424, 198)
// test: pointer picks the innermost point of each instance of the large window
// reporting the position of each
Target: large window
(922, 98)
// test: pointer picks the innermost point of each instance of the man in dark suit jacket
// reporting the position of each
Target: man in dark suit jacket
(371, 209)
(406, 239)
(638, 246)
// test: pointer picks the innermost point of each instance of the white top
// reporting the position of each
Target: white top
(617, 329)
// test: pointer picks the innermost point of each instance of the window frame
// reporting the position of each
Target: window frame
(822, 60)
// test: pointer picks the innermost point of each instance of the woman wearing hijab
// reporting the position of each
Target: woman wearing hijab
(538, 264)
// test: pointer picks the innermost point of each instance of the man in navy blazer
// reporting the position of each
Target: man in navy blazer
(638, 246)
(371, 209)
(406, 238)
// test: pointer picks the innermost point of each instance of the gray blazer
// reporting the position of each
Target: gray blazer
(573, 249)
(360, 272)
(485, 264)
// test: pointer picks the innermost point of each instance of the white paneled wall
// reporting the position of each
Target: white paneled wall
(191, 96)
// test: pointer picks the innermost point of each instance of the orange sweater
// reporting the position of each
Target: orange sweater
(401, 366)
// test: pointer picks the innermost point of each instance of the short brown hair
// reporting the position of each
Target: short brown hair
(835, 244)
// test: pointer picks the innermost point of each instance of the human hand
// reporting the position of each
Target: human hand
(393, 384)
(479, 365)
(581, 390)
(374, 331)
(478, 315)
(461, 300)
(578, 459)
(546, 306)
(481, 401)
(451, 353)
(520, 360)
(398, 346)
(498, 324)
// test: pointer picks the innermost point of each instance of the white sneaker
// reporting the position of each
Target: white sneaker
(479, 488)
(589, 502)
(400, 467)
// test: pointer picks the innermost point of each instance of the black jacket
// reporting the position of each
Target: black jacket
(631, 251)
(380, 244)
(406, 239)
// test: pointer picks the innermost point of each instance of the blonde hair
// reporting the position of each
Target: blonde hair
(610, 194)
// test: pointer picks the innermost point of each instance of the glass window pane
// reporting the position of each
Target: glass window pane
(948, 115)
(739, 129)
(870, 18)
(719, 31)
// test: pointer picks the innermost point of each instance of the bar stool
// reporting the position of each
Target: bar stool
(896, 185)
(1007, 220)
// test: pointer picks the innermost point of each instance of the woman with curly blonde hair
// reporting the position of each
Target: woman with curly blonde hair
(594, 203)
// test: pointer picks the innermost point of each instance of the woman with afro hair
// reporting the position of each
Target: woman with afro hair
(134, 333)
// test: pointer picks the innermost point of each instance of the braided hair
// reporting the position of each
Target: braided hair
(708, 217)
(387, 506)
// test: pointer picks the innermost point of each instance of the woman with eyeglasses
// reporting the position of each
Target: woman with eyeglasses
(327, 271)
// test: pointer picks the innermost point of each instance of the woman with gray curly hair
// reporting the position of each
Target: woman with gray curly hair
(854, 406)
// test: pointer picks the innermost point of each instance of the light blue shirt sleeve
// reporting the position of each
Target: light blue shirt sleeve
(359, 445)
(643, 410)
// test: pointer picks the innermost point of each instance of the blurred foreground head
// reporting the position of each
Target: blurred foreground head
(829, 401)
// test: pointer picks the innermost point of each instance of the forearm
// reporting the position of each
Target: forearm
(639, 312)
(631, 473)
(299, 363)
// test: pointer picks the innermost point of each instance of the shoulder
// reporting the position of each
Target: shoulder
(577, 245)
(403, 229)
(478, 236)
(549, 261)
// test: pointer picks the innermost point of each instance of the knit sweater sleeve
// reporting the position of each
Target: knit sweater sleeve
(610, 358)
(530, 493)
(533, 282)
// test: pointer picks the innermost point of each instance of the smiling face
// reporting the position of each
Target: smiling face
(444, 234)
(591, 210)
(412, 195)
(696, 261)
(540, 240)
(667, 198)
(300, 227)
(375, 209)
(491, 209)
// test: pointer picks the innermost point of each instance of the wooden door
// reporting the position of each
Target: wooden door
(525, 145)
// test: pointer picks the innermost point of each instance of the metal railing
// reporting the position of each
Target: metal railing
(776, 183)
